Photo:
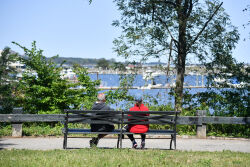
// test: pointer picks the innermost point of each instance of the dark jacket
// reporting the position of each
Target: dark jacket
(101, 127)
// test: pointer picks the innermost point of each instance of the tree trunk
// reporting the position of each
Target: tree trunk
(181, 58)
(180, 81)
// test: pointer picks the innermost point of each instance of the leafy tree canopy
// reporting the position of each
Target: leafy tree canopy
(45, 92)
(7, 80)
(179, 29)
(103, 63)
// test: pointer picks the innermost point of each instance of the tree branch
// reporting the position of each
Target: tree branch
(170, 55)
(205, 25)
(190, 8)
(171, 3)
(165, 1)
(176, 42)
(185, 7)
(156, 52)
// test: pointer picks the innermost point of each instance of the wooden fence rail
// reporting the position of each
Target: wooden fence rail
(182, 120)
(200, 121)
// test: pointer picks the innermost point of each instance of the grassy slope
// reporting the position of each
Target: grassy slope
(121, 157)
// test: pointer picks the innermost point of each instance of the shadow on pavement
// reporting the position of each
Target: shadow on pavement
(5, 145)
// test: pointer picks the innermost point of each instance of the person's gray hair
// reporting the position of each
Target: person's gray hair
(101, 97)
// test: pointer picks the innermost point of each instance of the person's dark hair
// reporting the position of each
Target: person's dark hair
(138, 99)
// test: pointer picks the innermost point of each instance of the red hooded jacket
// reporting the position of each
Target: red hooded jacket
(138, 128)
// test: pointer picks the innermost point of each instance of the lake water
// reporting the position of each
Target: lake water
(162, 95)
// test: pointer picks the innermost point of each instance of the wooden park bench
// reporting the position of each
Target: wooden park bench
(120, 119)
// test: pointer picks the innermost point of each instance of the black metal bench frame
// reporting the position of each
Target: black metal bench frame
(120, 118)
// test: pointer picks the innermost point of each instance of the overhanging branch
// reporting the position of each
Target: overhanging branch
(165, 1)
(172, 37)
(190, 8)
(205, 25)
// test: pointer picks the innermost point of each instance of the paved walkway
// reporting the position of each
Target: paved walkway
(49, 143)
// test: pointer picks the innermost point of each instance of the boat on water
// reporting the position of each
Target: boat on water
(231, 82)
(150, 74)
(151, 86)
(68, 74)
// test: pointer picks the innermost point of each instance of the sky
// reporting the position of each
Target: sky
(73, 28)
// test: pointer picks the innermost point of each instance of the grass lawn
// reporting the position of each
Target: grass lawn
(121, 158)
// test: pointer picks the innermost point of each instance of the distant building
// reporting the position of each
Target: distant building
(67, 73)
(19, 66)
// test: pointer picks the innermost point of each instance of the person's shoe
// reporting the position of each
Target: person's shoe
(134, 144)
(143, 145)
(93, 142)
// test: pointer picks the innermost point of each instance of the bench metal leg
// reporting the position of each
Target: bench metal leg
(118, 141)
(171, 140)
(120, 138)
(175, 142)
(65, 131)
(65, 141)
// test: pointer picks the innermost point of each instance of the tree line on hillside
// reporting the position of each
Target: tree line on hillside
(102, 62)
(81, 61)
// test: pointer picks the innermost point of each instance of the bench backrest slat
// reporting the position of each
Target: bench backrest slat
(90, 111)
(89, 121)
(160, 122)
(152, 112)
(121, 117)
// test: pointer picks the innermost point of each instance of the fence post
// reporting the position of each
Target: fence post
(201, 131)
(17, 127)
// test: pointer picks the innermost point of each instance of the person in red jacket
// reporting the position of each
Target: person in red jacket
(138, 128)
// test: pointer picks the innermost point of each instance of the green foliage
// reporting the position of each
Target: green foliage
(39, 129)
(85, 96)
(227, 98)
(103, 63)
(42, 129)
(167, 107)
(7, 81)
(5, 129)
(229, 130)
(125, 82)
(118, 65)
(189, 130)
(121, 94)
(44, 91)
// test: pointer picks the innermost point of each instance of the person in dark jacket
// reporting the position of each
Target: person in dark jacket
(100, 105)
(138, 128)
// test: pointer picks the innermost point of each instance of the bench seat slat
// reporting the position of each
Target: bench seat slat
(118, 131)
(155, 132)
(88, 131)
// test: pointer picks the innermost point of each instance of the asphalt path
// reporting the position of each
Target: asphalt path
(184, 144)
